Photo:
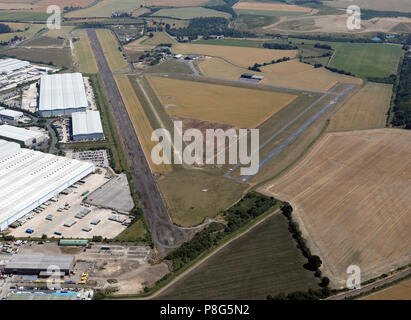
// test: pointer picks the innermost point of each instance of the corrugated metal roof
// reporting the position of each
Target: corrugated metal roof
(9, 65)
(28, 176)
(19, 134)
(40, 262)
(11, 113)
(87, 122)
(62, 91)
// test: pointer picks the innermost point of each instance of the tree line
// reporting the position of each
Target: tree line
(402, 102)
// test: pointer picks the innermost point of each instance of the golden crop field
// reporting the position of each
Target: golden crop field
(174, 3)
(365, 110)
(383, 5)
(270, 7)
(352, 198)
(84, 53)
(110, 47)
(399, 291)
(240, 107)
(240, 56)
(105, 8)
(300, 75)
(139, 119)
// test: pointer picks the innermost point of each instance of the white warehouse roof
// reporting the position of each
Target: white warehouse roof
(9, 65)
(29, 178)
(87, 122)
(62, 91)
(19, 134)
(11, 113)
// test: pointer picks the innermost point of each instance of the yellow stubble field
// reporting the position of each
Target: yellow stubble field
(351, 198)
(239, 107)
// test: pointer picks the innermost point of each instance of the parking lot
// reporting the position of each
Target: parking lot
(60, 216)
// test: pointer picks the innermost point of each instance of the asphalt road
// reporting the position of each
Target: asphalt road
(164, 233)
(368, 287)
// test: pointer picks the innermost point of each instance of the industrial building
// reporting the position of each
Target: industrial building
(29, 178)
(8, 66)
(10, 114)
(62, 94)
(87, 125)
(22, 135)
(36, 264)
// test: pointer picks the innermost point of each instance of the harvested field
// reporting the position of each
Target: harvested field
(308, 78)
(366, 110)
(400, 291)
(264, 261)
(22, 16)
(174, 3)
(239, 56)
(190, 13)
(138, 45)
(44, 41)
(105, 8)
(85, 56)
(240, 107)
(270, 7)
(383, 5)
(287, 67)
(111, 50)
(352, 203)
(139, 119)
(232, 42)
(171, 66)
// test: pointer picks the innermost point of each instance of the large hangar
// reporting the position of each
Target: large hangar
(29, 178)
(10, 65)
(62, 94)
(36, 264)
(87, 125)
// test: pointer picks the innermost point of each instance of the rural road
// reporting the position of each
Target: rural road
(368, 287)
(199, 263)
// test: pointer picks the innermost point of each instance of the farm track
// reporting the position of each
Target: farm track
(164, 233)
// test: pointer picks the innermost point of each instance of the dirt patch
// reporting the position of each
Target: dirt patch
(270, 7)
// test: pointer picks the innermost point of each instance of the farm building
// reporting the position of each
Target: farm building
(10, 114)
(29, 178)
(62, 94)
(73, 242)
(22, 135)
(36, 264)
(87, 125)
(7, 66)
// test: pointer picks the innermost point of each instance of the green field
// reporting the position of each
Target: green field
(84, 53)
(193, 195)
(233, 42)
(367, 60)
(171, 66)
(264, 261)
(56, 56)
(362, 59)
(23, 16)
(190, 13)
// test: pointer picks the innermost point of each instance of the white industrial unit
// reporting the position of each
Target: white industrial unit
(7, 66)
(29, 178)
(87, 125)
(22, 135)
(62, 94)
(10, 114)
